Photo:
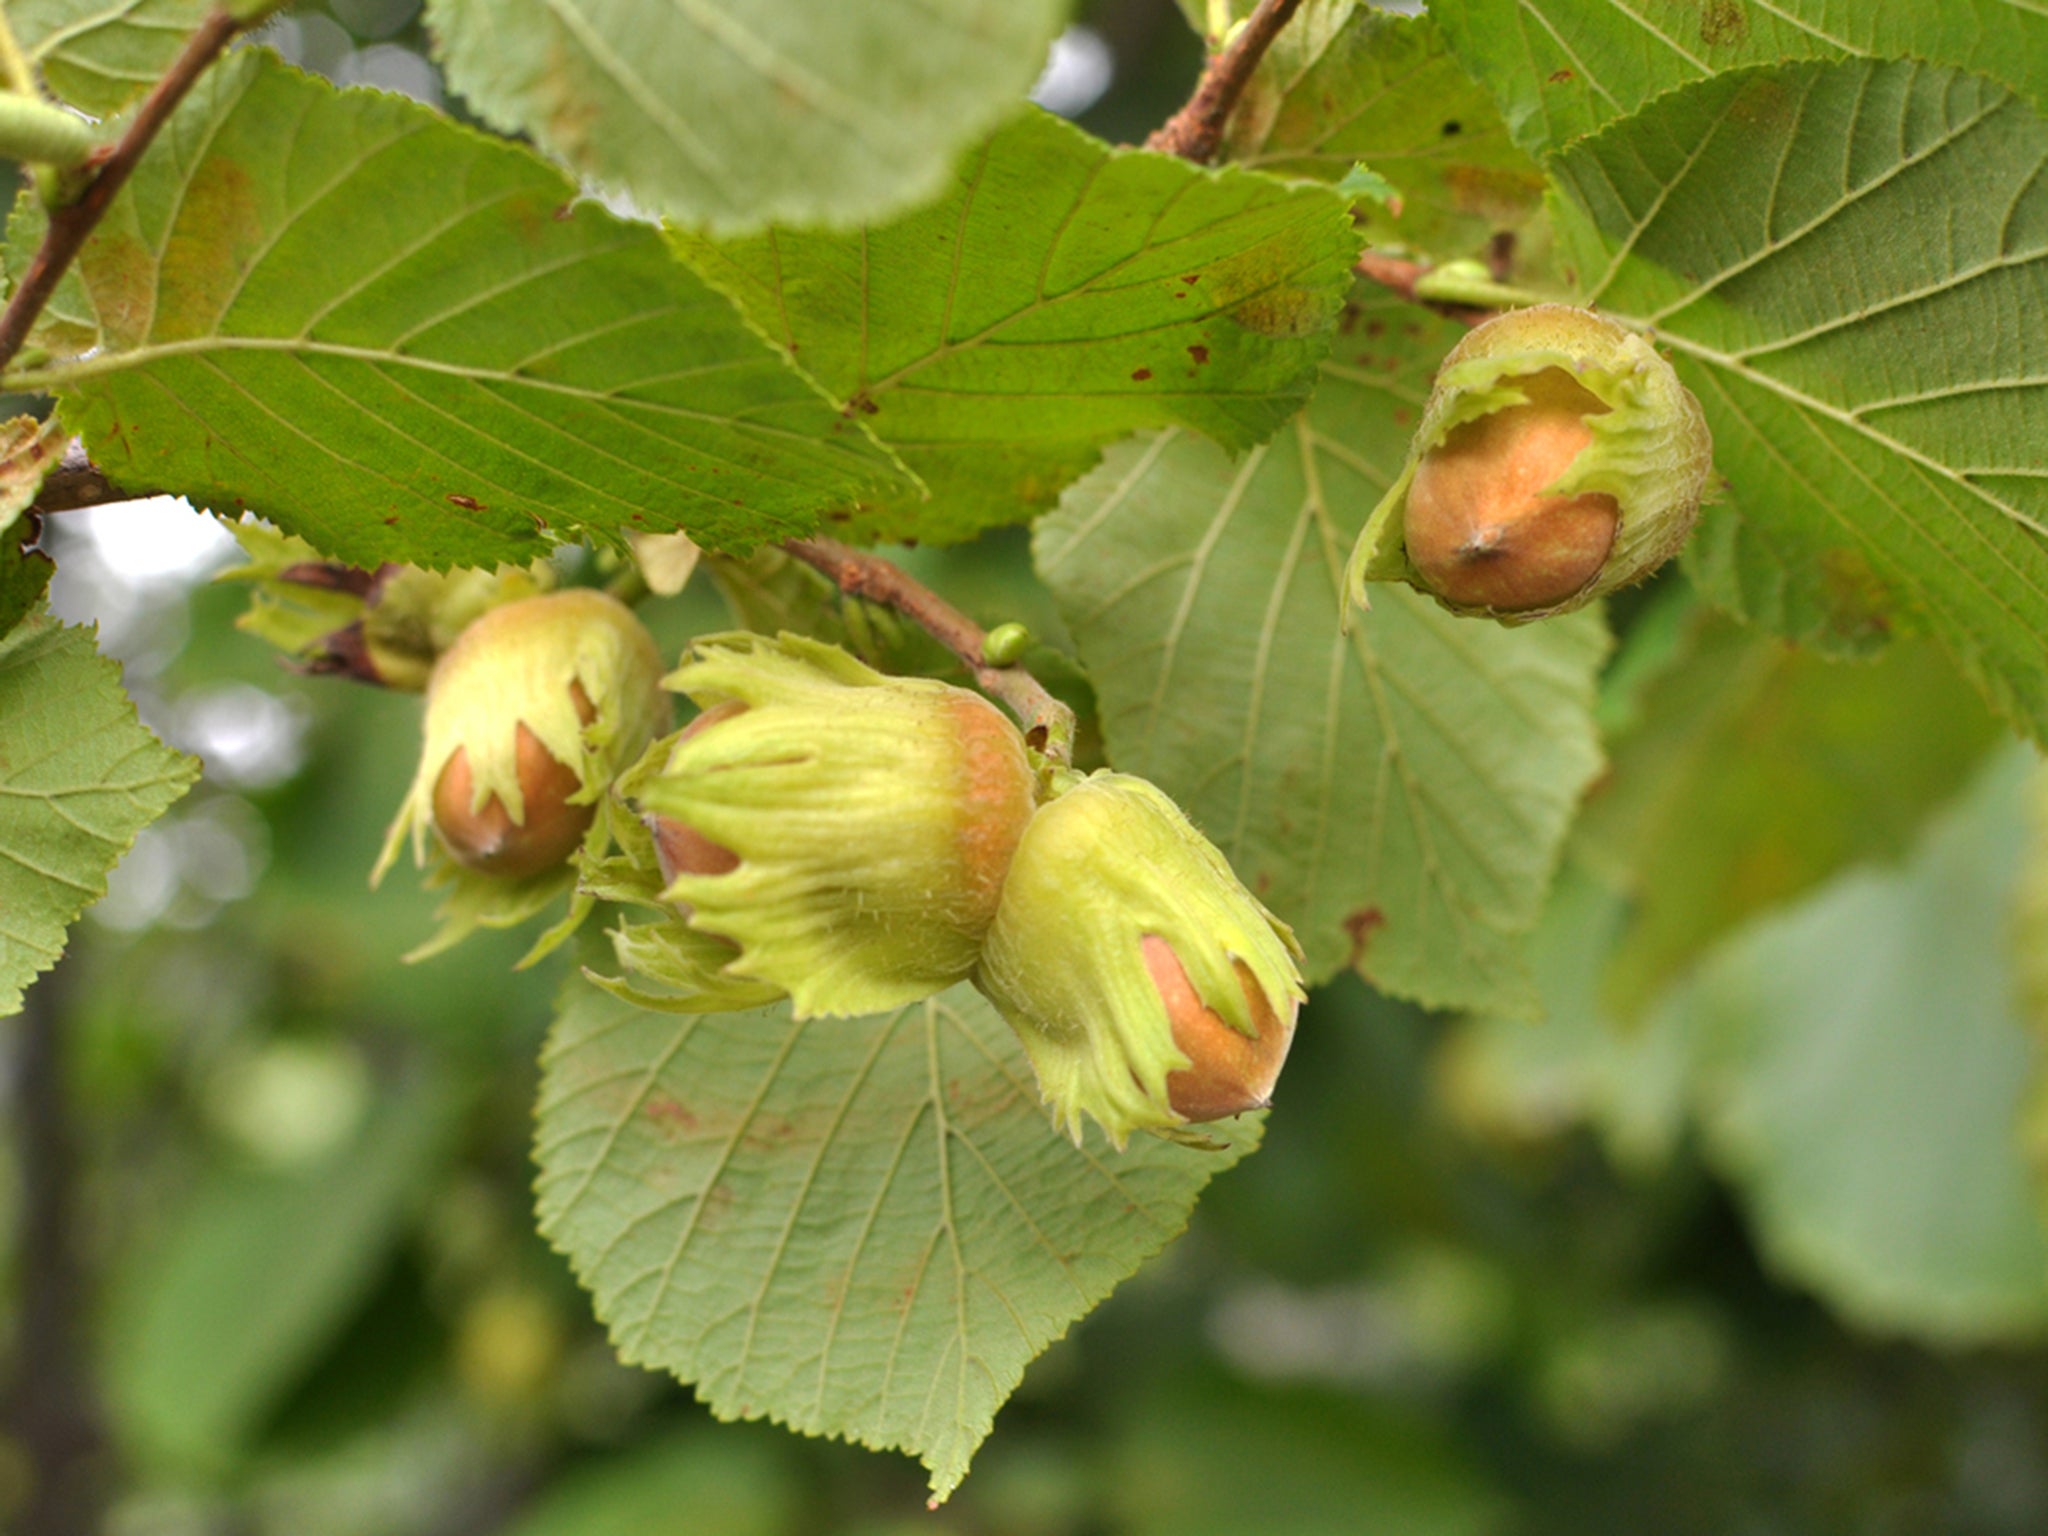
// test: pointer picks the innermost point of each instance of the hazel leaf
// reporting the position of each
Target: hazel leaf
(79, 777)
(1562, 68)
(731, 114)
(862, 1228)
(1398, 795)
(1061, 295)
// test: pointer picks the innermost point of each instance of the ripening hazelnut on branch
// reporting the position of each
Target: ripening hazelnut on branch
(530, 714)
(1559, 458)
(847, 832)
(485, 838)
(1150, 989)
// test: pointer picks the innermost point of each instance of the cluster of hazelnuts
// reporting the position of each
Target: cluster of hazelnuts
(856, 842)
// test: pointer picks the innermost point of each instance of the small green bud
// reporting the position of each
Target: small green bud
(848, 832)
(1149, 987)
(1005, 645)
(1558, 459)
(530, 714)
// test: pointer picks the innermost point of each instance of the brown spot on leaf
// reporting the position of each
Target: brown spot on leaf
(1362, 925)
(1723, 21)
(717, 1202)
(669, 1116)
(1492, 192)
(1140, 375)
(1199, 353)
(1561, 77)
(467, 503)
(218, 236)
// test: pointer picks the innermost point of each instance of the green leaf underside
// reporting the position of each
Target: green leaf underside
(1757, 771)
(1345, 84)
(1062, 295)
(1866, 1076)
(1849, 264)
(1398, 795)
(99, 55)
(863, 1228)
(79, 777)
(211, 1326)
(732, 114)
(1562, 68)
(404, 340)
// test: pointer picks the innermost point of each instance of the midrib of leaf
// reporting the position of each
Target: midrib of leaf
(1627, 247)
(1396, 757)
(122, 361)
(949, 1226)
(858, 1081)
(1198, 566)
(860, 1247)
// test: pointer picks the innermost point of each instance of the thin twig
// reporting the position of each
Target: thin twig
(1399, 277)
(1049, 724)
(1197, 128)
(70, 224)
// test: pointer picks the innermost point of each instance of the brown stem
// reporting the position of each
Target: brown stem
(1197, 128)
(70, 224)
(1049, 724)
(50, 1406)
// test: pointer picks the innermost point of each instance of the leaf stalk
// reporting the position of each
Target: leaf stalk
(1049, 724)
